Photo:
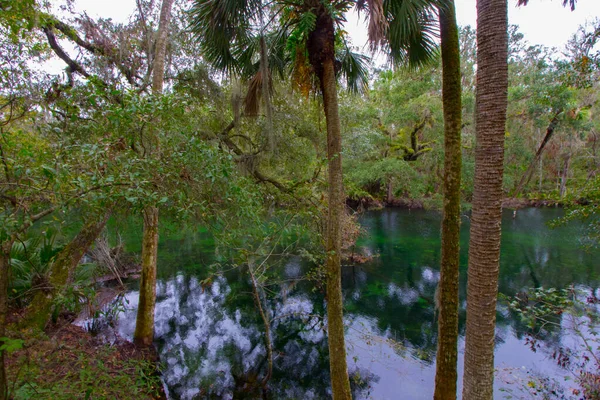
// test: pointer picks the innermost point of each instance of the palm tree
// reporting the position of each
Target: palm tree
(447, 293)
(308, 38)
(144, 327)
(484, 244)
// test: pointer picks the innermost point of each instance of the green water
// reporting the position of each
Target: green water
(211, 339)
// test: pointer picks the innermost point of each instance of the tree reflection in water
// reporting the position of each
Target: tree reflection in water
(210, 337)
(210, 342)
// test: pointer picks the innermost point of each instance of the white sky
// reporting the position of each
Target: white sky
(543, 22)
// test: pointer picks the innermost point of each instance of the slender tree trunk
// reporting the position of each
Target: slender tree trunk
(158, 67)
(4, 266)
(538, 156)
(61, 272)
(322, 57)
(447, 301)
(266, 322)
(337, 345)
(564, 176)
(144, 327)
(266, 91)
(484, 244)
(541, 170)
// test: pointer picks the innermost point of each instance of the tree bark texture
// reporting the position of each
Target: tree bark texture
(4, 266)
(266, 91)
(144, 326)
(335, 314)
(447, 300)
(564, 176)
(484, 244)
(158, 65)
(61, 272)
(322, 58)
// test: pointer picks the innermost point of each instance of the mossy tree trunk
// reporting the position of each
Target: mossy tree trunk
(321, 50)
(144, 328)
(4, 266)
(61, 273)
(447, 300)
(484, 244)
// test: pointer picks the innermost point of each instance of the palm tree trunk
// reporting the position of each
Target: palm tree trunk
(266, 91)
(61, 272)
(144, 327)
(484, 245)
(335, 318)
(322, 58)
(4, 265)
(447, 300)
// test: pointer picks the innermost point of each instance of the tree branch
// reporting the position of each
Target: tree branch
(73, 65)
(95, 49)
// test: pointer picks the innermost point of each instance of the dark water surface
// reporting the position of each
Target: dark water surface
(210, 337)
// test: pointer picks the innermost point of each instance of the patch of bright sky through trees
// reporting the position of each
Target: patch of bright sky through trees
(543, 22)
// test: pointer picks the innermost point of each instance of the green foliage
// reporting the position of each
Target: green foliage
(77, 375)
(30, 261)
(10, 345)
(584, 205)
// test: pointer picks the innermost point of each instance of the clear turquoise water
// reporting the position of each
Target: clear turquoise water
(211, 339)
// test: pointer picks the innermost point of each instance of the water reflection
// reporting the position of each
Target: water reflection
(210, 336)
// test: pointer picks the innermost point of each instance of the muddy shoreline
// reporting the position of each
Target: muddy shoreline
(415, 204)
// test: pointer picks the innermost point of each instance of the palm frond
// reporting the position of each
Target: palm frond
(279, 58)
(302, 76)
(570, 3)
(413, 31)
(222, 27)
(378, 24)
(354, 69)
(252, 99)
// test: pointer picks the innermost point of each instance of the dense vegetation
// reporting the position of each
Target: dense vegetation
(244, 138)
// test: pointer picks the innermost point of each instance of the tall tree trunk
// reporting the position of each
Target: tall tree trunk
(322, 58)
(266, 91)
(144, 327)
(4, 266)
(335, 318)
(447, 300)
(484, 244)
(160, 48)
(61, 272)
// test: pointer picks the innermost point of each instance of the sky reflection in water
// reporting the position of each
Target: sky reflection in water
(210, 338)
